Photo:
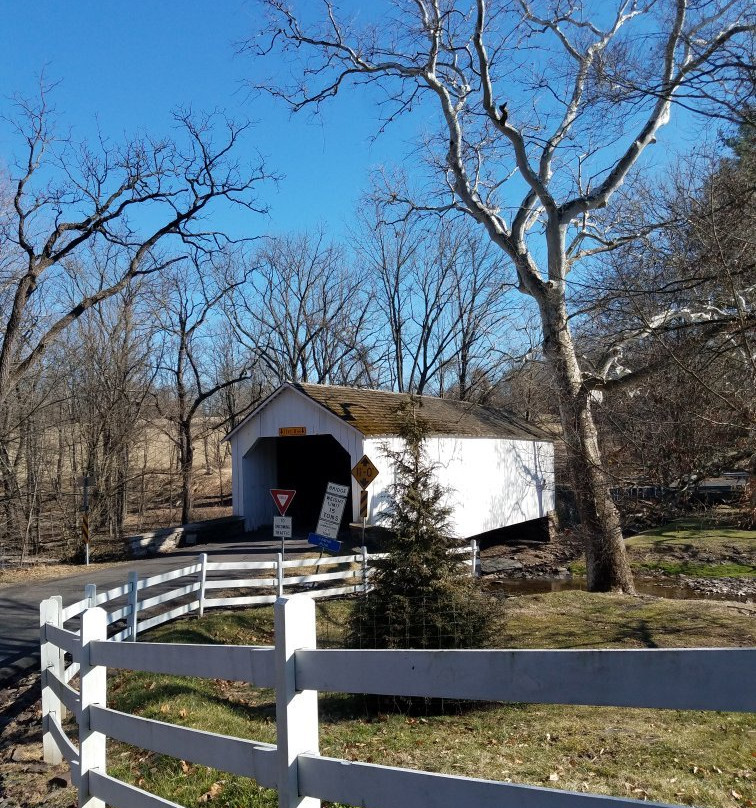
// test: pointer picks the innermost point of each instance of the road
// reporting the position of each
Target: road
(19, 603)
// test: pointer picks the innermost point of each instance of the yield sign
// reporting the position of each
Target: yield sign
(282, 497)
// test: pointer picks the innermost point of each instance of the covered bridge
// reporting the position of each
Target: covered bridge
(498, 469)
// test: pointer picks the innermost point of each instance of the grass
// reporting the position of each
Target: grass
(696, 547)
(671, 756)
(696, 532)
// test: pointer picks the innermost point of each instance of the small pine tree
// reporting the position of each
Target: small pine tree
(422, 596)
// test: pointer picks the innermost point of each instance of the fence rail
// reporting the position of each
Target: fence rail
(700, 679)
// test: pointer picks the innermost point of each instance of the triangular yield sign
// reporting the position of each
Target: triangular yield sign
(282, 497)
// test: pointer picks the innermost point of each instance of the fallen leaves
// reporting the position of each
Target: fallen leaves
(213, 792)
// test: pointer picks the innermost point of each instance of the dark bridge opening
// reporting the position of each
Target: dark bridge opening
(307, 464)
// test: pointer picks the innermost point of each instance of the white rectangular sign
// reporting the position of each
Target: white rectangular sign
(282, 527)
(338, 490)
(332, 510)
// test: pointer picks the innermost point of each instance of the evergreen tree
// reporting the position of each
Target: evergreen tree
(422, 595)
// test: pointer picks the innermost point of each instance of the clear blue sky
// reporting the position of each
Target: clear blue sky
(125, 65)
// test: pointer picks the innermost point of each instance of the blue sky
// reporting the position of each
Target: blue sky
(124, 66)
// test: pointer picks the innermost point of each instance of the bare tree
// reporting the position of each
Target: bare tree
(189, 306)
(128, 200)
(442, 298)
(305, 316)
(543, 112)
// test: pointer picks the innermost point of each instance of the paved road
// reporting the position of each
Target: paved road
(19, 603)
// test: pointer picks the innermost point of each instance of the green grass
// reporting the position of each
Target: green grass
(695, 547)
(695, 569)
(694, 532)
(671, 756)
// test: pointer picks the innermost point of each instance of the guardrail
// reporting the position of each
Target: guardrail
(682, 679)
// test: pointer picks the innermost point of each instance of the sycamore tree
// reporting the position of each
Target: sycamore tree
(536, 114)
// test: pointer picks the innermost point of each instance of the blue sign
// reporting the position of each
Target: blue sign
(331, 545)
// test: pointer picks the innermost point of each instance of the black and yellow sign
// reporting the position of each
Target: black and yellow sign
(364, 472)
(363, 504)
(291, 431)
(85, 528)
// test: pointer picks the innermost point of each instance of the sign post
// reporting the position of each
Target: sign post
(364, 472)
(85, 481)
(282, 524)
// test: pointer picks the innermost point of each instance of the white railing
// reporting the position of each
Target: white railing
(271, 580)
(682, 679)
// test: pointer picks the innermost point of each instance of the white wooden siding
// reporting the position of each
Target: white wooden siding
(254, 472)
(493, 482)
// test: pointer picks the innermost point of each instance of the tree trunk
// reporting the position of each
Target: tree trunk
(186, 460)
(606, 561)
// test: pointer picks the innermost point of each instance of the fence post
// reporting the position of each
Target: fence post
(202, 581)
(134, 604)
(364, 552)
(474, 554)
(90, 595)
(93, 690)
(279, 574)
(296, 710)
(50, 662)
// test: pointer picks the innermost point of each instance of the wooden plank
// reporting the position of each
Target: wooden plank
(681, 679)
(375, 786)
(118, 614)
(66, 746)
(296, 707)
(62, 638)
(326, 561)
(246, 583)
(241, 565)
(335, 592)
(122, 795)
(93, 691)
(66, 694)
(112, 594)
(235, 755)
(342, 575)
(75, 609)
(251, 600)
(51, 664)
(241, 663)
(166, 597)
(165, 617)
(164, 577)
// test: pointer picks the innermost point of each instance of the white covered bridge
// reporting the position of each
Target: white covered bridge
(498, 469)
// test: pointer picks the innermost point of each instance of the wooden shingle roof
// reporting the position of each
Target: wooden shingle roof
(376, 413)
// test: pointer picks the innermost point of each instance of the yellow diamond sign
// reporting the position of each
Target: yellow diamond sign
(364, 472)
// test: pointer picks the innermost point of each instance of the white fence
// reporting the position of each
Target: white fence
(683, 679)
(279, 577)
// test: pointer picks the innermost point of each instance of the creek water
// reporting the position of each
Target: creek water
(644, 586)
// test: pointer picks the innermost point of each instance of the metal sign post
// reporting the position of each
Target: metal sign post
(364, 472)
(282, 524)
(85, 481)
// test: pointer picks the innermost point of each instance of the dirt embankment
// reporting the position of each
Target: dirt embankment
(25, 780)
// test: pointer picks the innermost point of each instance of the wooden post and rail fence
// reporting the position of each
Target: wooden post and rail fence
(682, 679)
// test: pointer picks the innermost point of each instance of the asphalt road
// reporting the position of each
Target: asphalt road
(19, 603)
